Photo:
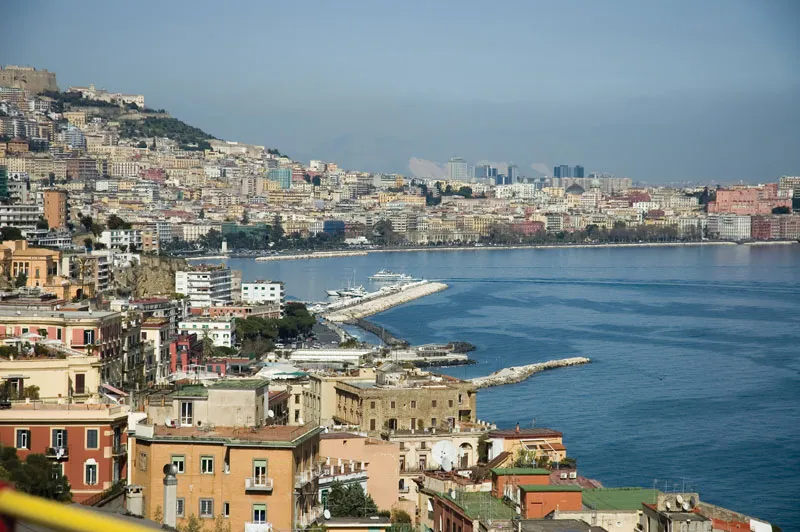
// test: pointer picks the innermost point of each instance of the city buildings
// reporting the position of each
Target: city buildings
(261, 292)
(205, 285)
(55, 208)
(457, 169)
(222, 331)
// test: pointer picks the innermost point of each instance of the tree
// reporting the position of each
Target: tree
(114, 222)
(37, 475)
(21, 280)
(782, 210)
(141, 144)
(193, 524)
(221, 524)
(201, 214)
(158, 514)
(10, 233)
(316, 181)
(51, 179)
(42, 224)
(87, 243)
(30, 392)
(277, 232)
(245, 218)
(350, 501)
(465, 191)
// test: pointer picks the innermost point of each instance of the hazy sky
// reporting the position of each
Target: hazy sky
(655, 90)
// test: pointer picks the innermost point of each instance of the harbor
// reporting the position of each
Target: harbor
(515, 374)
(376, 302)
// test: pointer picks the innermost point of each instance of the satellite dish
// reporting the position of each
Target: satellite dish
(693, 501)
(668, 505)
(326, 514)
(452, 494)
(445, 453)
(685, 506)
(168, 422)
(679, 499)
(519, 510)
(270, 414)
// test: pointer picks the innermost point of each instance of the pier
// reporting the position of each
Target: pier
(516, 374)
(315, 255)
(377, 302)
(385, 336)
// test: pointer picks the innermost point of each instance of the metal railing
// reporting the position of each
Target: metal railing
(119, 448)
(304, 477)
(258, 484)
(57, 452)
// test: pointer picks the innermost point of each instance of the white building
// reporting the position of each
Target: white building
(729, 226)
(329, 357)
(23, 217)
(260, 292)
(457, 169)
(204, 285)
(121, 238)
(221, 331)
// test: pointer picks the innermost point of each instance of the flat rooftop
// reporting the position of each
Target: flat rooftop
(547, 487)
(619, 498)
(481, 505)
(239, 384)
(273, 433)
(55, 314)
(505, 471)
(525, 433)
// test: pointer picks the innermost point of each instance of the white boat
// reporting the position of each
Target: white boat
(390, 276)
(332, 293)
(356, 291)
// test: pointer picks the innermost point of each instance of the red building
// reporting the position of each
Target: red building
(748, 200)
(505, 480)
(184, 350)
(537, 501)
(765, 227)
(88, 441)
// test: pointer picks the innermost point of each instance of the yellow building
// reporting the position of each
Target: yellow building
(76, 118)
(251, 475)
(40, 266)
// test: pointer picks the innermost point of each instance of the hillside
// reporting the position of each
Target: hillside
(188, 137)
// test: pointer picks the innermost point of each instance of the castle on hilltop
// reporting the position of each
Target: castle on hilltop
(28, 78)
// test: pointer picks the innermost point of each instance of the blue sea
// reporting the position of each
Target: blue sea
(695, 352)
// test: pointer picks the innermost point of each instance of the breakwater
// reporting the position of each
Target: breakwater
(516, 374)
(385, 336)
(315, 255)
(380, 301)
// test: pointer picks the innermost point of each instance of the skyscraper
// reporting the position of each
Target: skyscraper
(457, 169)
(513, 173)
(577, 171)
(282, 176)
(562, 171)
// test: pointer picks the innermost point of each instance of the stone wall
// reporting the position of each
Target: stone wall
(34, 81)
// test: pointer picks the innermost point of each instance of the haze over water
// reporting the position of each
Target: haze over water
(696, 355)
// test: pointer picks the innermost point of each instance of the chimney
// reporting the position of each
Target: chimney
(134, 501)
(170, 495)
(517, 430)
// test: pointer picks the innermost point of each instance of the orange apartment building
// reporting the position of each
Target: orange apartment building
(55, 208)
(506, 480)
(531, 490)
(87, 441)
(538, 441)
(259, 478)
(378, 458)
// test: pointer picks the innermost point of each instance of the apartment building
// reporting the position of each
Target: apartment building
(55, 208)
(87, 441)
(222, 331)
(540, 441)
(205, 285)
(229, 461)
(21, 216)
(400, 399)
(156, 332)
(261, 292)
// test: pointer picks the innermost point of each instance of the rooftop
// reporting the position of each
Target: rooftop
(239, 384)
(191, 390)
(559, 487)
(56, 314)
(618, 498)
(273, 433)
(481, 505)
(340, 436)
(504, 471)
(511, 434)
(557, 525)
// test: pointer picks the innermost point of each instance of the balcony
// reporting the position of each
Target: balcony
(308, 518)
(119, 449)
(305, 477)
(57, 453)
(258, 484)
(249, 526)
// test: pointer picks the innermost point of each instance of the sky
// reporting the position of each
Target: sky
(659, 91)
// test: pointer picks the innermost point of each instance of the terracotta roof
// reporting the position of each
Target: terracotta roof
(339, 436)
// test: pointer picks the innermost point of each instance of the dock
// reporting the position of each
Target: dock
(377, 302)
(516, 374)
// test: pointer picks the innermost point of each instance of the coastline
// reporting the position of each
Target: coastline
(361, 253)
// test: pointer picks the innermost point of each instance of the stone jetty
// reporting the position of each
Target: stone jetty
(315, 255)
(516, 374)
(380, 301)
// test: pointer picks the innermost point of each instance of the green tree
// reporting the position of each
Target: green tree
(276, 232)
(21, 280)
(350, 501)
(87, 243)
(114, 222)
(10, 233)
(42, 224)
(192, 524)
(782, 210)
(30, 392)
(38, 476)
(221, 524)
(316, 181)
(465, 191)
(245, 218)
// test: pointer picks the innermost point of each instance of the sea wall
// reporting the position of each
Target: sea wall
(374, 305)
(317, 255)
(516, 374)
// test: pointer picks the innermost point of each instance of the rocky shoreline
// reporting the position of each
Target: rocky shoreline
(517, 374)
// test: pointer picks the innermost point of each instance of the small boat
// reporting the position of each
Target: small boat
(390, 276)
(356, 291)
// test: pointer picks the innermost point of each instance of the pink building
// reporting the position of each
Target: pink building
(748, 201)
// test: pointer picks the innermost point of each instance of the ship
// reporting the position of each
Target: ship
(390, 276)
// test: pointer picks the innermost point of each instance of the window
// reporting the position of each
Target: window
(142, 462)
(58, 334)
(226, 509)
(90, 473)
(88, 337)
(187, 409)
(413, 404)
(460, 398)
(433, 403)
(372, 405)
(179, 461)
(23, 439)
(259, 513)
(402, 463)
(450, 403)
(59, 438)
(371, 424)
(413, 423)
(180, 505)
(207, 465)
(433, 422)
(297, 399)
(206, 507)
(260, 472)
(92, 436)
(391, 404)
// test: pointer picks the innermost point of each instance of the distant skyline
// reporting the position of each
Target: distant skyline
(660, 91)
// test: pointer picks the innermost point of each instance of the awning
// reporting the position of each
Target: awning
(114, 390)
